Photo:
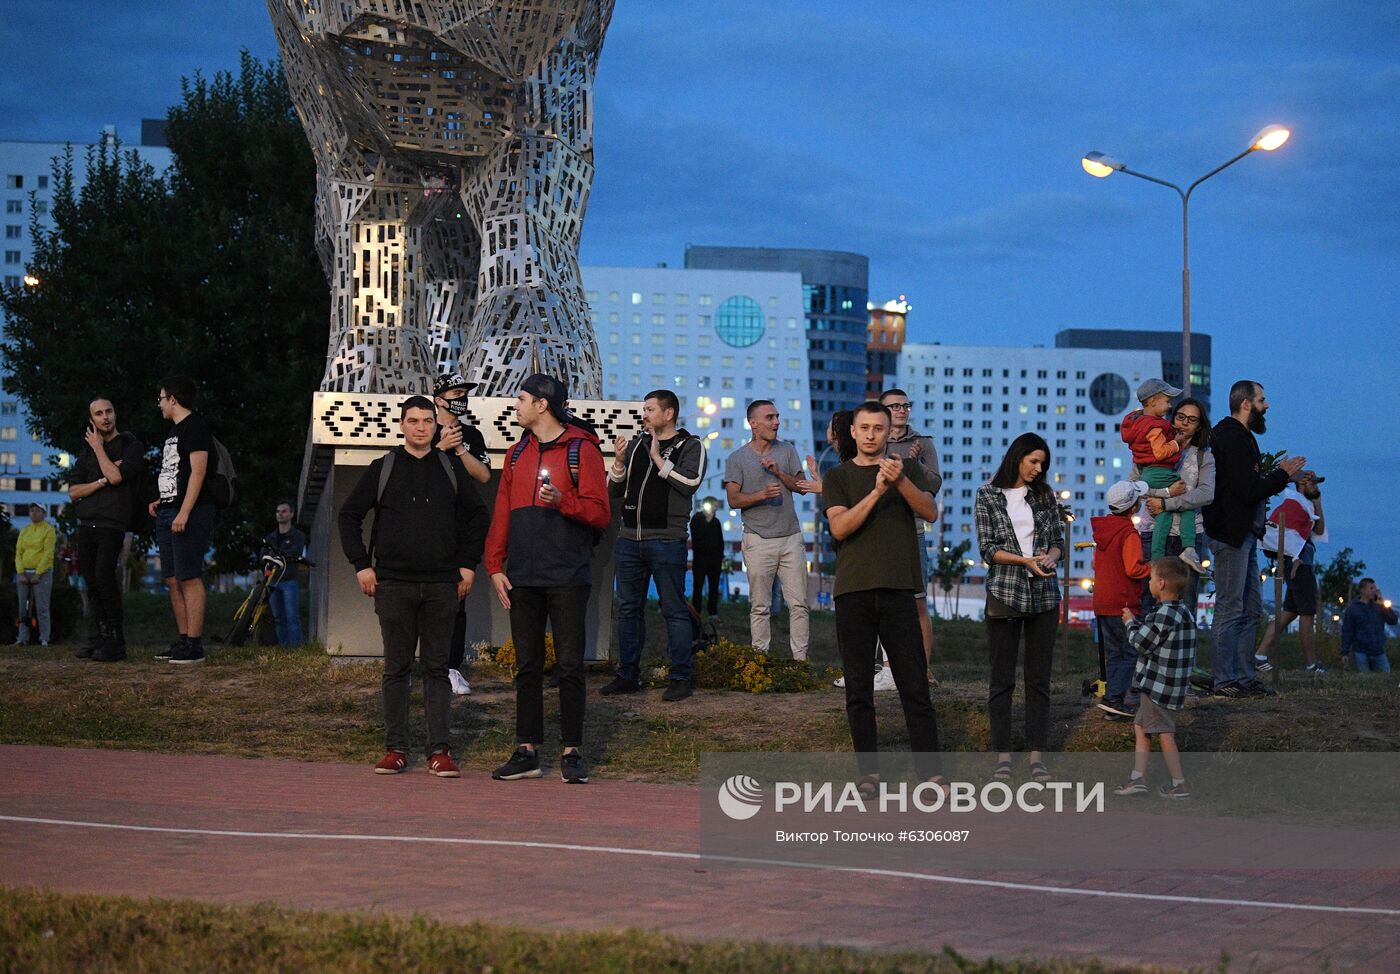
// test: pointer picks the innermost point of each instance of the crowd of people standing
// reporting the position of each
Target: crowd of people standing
(1199, 485)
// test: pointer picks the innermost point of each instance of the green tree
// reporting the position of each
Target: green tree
(951, 565)
(208, 269)
(1336, 581)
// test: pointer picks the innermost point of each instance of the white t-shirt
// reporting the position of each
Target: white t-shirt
(1022, 518)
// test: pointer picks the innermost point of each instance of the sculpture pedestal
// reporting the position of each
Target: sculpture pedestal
(351, 431)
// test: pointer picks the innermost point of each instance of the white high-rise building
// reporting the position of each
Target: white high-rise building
(29, 468)
(719, 339)
(975, 400)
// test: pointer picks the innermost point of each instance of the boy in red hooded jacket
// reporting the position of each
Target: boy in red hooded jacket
(1118, 573)
(551, 507)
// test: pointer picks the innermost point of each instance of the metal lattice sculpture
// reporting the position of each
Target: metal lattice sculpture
(454, 154)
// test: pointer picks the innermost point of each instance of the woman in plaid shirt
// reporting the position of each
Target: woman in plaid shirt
(1021, 537)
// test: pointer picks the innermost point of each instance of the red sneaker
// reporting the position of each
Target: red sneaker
(442, 765)
(391, 763)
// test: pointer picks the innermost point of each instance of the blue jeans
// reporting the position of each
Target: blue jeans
(1237, 608)
(285, 601)
(1120, 659)
(638, 563)
(1371, 664)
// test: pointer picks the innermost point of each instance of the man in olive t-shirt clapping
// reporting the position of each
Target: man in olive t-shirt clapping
(871, 503)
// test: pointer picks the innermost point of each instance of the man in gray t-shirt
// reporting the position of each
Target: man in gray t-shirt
(759, 479)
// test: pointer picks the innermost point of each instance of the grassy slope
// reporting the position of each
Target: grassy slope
(262, 701)
(53, 933)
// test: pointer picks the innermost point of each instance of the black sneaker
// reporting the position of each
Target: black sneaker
(175, 647)
(676, 690)
(1253, 688)
(524, 763)
(187, 654)
(1117, 708)
(92, 647)
(572, 770)
(1231, 690)
(619, 685)
(1174, 792)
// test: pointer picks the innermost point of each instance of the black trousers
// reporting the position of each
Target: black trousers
(889, 617)
(704, 572)
(415, 616)
(565, 609)
(1003, 640)
(99, 551)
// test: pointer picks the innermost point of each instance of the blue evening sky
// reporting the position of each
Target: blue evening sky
(943, 140)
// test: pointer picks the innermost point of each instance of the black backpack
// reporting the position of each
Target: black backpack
(220, 484)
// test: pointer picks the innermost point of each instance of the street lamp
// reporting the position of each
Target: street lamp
(1096, 164)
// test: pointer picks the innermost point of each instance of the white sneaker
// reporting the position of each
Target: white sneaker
(1191, 558)
(840, 681)
(884, 680)
(459, 684)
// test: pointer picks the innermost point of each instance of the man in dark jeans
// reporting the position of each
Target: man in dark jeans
(551, 507)
(654, 478)
(105, 478)
(285, 599)
(871, 504)
(1235, 520)
(429, 526)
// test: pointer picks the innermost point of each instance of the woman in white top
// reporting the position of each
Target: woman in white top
(1020, 534)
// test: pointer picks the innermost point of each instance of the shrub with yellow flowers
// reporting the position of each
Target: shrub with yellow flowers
(728, 665)
(504, 657)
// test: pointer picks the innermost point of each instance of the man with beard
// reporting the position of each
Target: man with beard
(1235, 521)
(105, 478)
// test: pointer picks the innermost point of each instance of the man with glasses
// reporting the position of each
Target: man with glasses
(184, 514)
(910, 445)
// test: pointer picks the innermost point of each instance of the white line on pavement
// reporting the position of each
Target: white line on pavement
(697, 857)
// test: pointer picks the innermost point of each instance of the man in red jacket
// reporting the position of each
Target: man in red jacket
(1118, 574)
(551, 507)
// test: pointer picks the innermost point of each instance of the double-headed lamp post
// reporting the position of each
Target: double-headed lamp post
(1097, 164)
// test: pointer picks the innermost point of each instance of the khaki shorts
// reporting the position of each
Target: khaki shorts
(1152, 718)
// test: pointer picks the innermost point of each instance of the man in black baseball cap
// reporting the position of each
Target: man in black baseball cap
(466, 444)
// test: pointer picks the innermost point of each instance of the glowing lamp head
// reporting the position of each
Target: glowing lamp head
(1099, 165)
(1270, 137)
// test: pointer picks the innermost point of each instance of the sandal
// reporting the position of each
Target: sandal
(1039, 772)
(1002, 772)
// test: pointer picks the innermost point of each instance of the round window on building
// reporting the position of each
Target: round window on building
(1109, 394)
(739, 321)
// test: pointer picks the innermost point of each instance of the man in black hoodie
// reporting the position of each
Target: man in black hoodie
(429, 529)
(105, 478)
(1235, 520)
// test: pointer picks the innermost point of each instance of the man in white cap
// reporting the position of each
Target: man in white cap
(1118, 573)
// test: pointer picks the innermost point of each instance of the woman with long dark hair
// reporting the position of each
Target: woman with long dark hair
(839, 438)
(1194, 489)
(1021, 537)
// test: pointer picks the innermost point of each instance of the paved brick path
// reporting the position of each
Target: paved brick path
(553, 888)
